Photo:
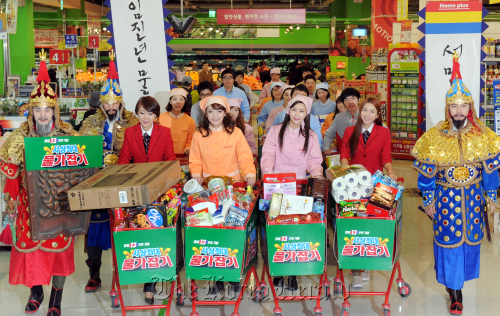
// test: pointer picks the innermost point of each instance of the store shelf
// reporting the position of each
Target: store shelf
(491, 59)
(379, 81)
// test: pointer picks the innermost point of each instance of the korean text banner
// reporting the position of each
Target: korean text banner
(141, 53)
(261, 16)
(63, 152)
(452, 26)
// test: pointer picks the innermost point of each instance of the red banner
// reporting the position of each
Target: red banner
(383, 16)
(261, 16)
(402, 146)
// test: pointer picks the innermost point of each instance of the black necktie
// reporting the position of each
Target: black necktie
(146, 139)
(366, 134)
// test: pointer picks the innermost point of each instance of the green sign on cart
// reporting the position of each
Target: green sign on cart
(146, 255)
(63, 152)
(296, 249)
(365, 243)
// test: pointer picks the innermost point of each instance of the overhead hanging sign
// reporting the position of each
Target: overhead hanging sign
(141, 50)
(46, 38)
(11, 16)
(261, 16)
(384, 16)
(452, 26)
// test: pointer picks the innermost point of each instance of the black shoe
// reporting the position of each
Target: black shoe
(456, 306)
(235, 287)
(35, 300)
(278, 281)
(218, 287)
(94, 282)
(55, 302)
(149, 301)
(292, 283)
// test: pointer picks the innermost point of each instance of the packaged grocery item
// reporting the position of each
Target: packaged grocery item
(264, 205)
(319, 207)
(316, 187)
(381, 201)
(378, 176)
(192, 186)
(200, 218)
(193, 200)
(227, 180)
(121, 218)
(284, 183)
(152, 216)
(219, 217)
(274, 209)
(296, 204)
(236, 217)
(131, 217)
(211, 207)
(297, 218)
(347, 208)
(216, 184)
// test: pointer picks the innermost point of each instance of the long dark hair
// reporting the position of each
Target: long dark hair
(184, 108)
(304, 132)
(354, 139)
(239, 122)
(272, 95)
(227, 122)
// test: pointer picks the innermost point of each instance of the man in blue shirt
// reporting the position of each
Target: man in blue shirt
(229, 90)
(315, 126)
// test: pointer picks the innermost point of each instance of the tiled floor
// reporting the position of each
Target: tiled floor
(427, 298)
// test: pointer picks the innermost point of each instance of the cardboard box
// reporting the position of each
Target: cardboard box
(370, 88)
(125, 186)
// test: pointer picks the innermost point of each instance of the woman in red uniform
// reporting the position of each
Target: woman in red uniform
(147, 142)
(367, 143)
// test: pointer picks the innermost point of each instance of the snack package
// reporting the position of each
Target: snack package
(236, 217)
(296, 204)
(284, 183)
(381, 201)
(264, 205)
(297, 218)
(171, 214)
(200, 218)
(378, 176)
(219, 217)
(152, 216)
(132, 212)
(121, 219)
(274, 209)
(316, 188)
(211, 207)
(347, 208)
(193, 200)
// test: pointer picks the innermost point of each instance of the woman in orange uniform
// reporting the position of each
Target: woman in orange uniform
(218, 148)
(181, 125)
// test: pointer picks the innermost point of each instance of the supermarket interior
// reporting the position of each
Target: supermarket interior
(76, 56)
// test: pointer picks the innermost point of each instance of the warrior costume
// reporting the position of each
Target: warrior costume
(99, 235)
(33, 263)
(458, 174)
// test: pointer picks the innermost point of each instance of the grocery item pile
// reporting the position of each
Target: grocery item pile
(220, 205)
(284, 206)
(380, 203)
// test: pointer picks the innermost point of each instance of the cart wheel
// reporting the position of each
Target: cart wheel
(180, 299)
(344, 312)
(387, 312)
(327, 293)
(338, 288)
(405, 290)
(115, 302)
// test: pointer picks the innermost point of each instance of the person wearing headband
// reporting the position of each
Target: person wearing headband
(286, 91)
(292, 147)
(276, 101)
(324, 105)
(181, 125)
(266, 89)
(247, 130)
(218, 148)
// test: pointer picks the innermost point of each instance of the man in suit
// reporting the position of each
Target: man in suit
(110, 121)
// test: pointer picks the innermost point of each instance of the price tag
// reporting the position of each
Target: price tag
(59, 56)
(93, 42)
(71, 41)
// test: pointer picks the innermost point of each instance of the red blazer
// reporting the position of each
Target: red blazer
(375, 154)
(161, 146)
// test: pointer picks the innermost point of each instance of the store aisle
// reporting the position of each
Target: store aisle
(427, 298)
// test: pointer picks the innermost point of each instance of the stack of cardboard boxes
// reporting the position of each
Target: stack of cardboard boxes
(366, 89)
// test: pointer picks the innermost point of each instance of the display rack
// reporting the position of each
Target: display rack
(487, 91)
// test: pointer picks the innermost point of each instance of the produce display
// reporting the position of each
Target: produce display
(89, 77)
(253, 83)
(195, 76)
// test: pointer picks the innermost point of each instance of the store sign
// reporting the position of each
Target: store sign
(384, 16)
(496, 104)
(141, 50)
(146, 255)
(402, 146)
(212, 13)
(261, 16)
(12, 12)
(46, 38)
(93, 42)
(404, 62)
(59, 56)
(297, 251)
(406, 32)
(365, 243)
(402, 10)
(71, 41)
(454, 26)
(63, 152)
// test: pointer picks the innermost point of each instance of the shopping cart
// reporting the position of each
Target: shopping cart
(369, 243)
(214, 254)
(146, 255)
(295, 249)
(183, 159)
